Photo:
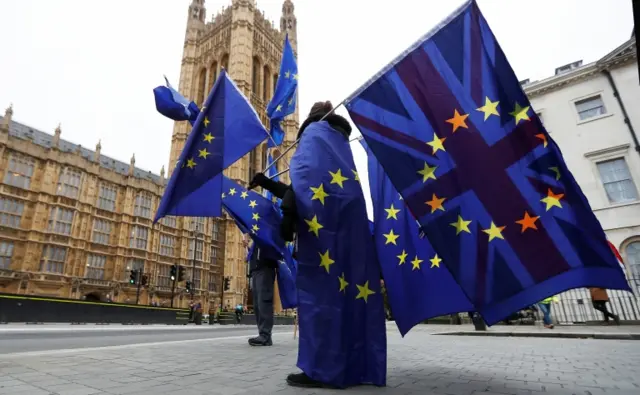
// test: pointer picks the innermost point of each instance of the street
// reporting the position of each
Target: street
(217, 360)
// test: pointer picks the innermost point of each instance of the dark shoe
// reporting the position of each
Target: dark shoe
(303, 381)
(260, 341)
(616, 319)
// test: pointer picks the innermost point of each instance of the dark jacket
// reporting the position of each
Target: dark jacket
(284, 191)
(261, 258)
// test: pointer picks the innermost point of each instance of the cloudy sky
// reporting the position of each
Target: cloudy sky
(92, 65)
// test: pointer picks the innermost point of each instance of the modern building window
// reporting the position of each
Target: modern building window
(95, 266)
(133, 264)
(53, 259)
(142, 206)
(6, 252)
(167, 245)
(60, 221)
(107, 197)
(69, 183)
(11, 212)
(617, 181)
(19, 171)
(591, 107)
(139, 237)
(169, 221)
(101, 231)
(163, 276)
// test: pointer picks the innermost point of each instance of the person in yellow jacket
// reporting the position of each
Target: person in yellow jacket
(545, 307)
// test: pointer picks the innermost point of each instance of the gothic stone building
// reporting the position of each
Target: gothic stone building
(74, 222)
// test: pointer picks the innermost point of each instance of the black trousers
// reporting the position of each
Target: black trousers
(264, 279)
(601, 305)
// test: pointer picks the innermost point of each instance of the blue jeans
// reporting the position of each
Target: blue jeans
(546, 313)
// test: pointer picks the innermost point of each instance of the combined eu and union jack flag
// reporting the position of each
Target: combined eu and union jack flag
(283, 102)
(226, 129)
(459, 140)
(256, 216)
(419, 286)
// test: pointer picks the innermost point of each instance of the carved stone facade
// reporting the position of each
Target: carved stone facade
(74, 222)
(249, 47)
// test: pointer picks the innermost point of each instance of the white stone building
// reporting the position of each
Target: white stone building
(592, 111)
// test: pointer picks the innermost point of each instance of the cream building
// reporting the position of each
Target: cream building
(74, 222)
(592, 111)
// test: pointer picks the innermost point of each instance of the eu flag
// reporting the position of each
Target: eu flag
(340, 307)
(459, 140)
(259, 218)
(419, 285)
(283, 102)
(171, 104)
(225, 130)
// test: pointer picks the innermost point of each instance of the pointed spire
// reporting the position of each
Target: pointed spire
(132, 164)
(96, 155)
(56, 136)
(162, 174)
(6, 121)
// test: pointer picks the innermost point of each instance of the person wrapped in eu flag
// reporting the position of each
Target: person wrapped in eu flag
(340, 304)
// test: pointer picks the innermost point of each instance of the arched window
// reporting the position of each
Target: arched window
(213, 73)
(633, 259)
(202, 86)
(225, 62)
(266, 94)
(255, 76)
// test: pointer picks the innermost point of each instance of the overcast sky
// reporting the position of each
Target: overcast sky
(92, 65)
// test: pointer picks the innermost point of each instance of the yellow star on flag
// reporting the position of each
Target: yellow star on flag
(343, 283)
(494, 232)
(415, 263)
(392, 212)
(295, 77)
(436, 143)
(520, 113)
(402, 257)
(557, 171)
(224, 195)
(253, 204)
(391, 238)
(203, 153)
(355, 173)
(290, 101)
(435, 261)
(435, 203)
(319, 193)
(244, 194)
(232, 191)
(206, 121)
(490, 108)
(458, 120)
(287, 74)
(255, 216)
(191, 163)
(364, 291)
(314, 225)
(338, 178)
(428, 172)
(325, 261)
(461, 225)
(279, 108)
(208, 137)
(552, 199)
(255, 227)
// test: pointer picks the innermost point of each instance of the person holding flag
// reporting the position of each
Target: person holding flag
(340, 304)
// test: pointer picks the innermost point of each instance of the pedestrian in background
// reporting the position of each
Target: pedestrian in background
(545, 307)
(599, 299)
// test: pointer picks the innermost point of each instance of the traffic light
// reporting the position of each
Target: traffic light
(133, 277)
(180, 273)
(226, 283)
(174, 272)
(187, 286)
(144, 279)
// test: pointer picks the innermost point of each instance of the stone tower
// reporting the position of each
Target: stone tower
(249, 47)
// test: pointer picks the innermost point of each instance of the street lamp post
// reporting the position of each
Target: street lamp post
(193, 267)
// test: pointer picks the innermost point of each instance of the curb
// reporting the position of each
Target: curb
(561, 335)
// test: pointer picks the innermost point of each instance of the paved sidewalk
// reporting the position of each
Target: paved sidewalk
(421, 363)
